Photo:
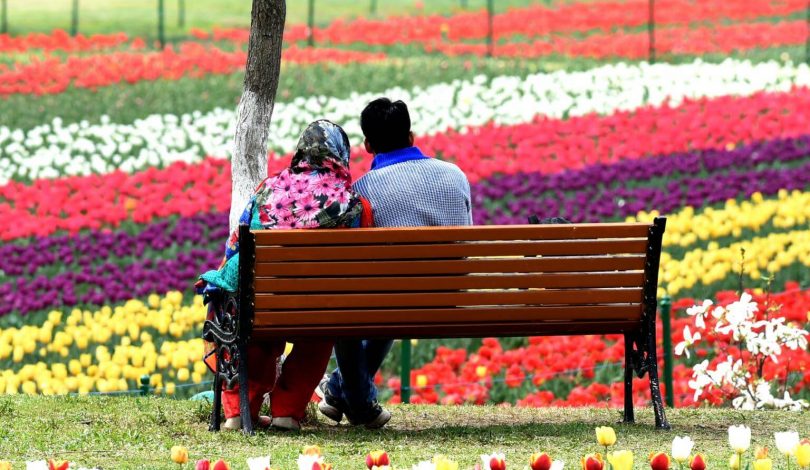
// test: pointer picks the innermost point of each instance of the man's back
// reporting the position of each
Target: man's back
(414, 193)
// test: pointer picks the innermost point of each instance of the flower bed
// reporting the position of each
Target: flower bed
(58, 149)
(53, 75)
(580, 371)
(635, 45)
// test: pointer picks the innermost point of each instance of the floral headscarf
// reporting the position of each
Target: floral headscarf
(314, 192)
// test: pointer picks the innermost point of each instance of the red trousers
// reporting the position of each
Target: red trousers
(292, 390)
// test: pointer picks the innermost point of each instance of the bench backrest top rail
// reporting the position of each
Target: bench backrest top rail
(450, 281)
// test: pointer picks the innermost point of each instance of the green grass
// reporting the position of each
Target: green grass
(139, 17)
(130, 433)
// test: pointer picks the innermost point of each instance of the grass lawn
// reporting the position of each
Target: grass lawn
(139, 17)
(132, 433)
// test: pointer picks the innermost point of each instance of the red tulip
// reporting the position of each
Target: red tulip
(497, 463)
(377, 458)
(221, 465)
(698, 462)
(659, 461)
(593, 462)
(540, 461)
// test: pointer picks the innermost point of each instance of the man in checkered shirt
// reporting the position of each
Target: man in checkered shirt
(406, 189)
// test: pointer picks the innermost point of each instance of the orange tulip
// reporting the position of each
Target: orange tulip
(311, 450)
(58, 464)
(377, 458)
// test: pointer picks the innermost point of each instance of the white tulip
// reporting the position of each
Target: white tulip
(786, 442)
(260, 463)
(739, 438)
(682, 448)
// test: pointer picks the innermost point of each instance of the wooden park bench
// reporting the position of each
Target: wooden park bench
(445, 282)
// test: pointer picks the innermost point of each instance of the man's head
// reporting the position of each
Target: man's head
(386, 126)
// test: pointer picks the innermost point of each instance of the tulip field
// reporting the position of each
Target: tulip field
(115, 180)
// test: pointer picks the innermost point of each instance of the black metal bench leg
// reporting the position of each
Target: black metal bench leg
(216, 407)
(244, 397)
(629, 414)
(655, 388)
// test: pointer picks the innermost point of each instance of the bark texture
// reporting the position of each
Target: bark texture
(249, 161)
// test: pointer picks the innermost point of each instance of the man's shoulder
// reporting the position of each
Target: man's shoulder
(428, 164)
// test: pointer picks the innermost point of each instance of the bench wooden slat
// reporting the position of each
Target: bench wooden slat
(452, 250)
(451, 330)
(449, 283)
(449, 299)
(273, 318)
(416, 267)
(410, 235)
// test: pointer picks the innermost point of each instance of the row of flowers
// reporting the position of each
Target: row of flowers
(58, 149)
(682, 453)
(60, 40)
(54, 75)
(667, 183)
(106, 350)
(635, 45)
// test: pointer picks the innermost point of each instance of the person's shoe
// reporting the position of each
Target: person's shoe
(323, 387)
(235, 423)
(232, 424)
(286, 424)
(380, 417)
(330, 408)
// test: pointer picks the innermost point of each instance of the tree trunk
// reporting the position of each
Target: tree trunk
(249, 161)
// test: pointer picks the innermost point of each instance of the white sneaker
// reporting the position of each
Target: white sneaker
(235, 423)
(285, 423)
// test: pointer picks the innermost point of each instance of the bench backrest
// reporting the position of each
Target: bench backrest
(450, 281)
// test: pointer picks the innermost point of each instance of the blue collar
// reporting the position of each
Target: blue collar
(382, 160)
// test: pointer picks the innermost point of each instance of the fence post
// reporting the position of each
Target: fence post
(651, 30)
(161, 25)
(491, 28)
(311, 24)
(464, 4)
(373, 8)
(181, 13)
(74, 19)
(666, 310)
(144, 385)
(405, 372)
(4, 17)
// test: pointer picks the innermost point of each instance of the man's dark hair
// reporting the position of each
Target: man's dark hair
(386, 125)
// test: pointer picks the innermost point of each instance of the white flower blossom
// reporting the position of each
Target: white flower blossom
(59, 149)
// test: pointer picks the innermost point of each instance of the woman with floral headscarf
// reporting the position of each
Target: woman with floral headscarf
(314, 192)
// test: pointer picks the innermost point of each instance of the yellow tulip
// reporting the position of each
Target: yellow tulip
(605, 436)
(621, 460)
(4, 465)
(179, 455)
(803, 454)
(763, 464)
(734, 462)
(443, 463)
